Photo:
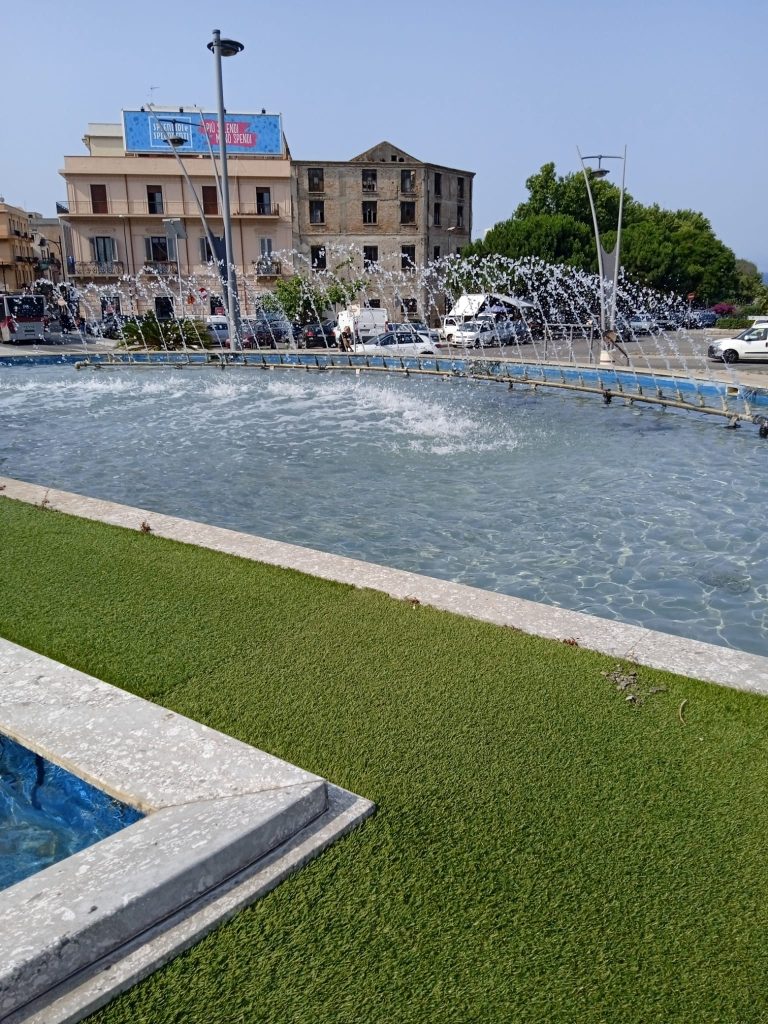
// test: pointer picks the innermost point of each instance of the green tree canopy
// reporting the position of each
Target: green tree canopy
(662, 249)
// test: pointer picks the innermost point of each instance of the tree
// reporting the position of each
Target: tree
(662, 249)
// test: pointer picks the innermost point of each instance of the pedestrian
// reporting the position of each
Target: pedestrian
(345, 340)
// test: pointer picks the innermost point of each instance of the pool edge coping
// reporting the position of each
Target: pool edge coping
(723, 666)
(224, 823)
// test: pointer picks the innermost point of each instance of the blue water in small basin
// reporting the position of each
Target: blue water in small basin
(47, 814)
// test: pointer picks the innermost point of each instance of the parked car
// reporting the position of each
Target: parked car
(642, 323)
(266, 331)
(218, 331)
(419, 328)
(318, 335)
(485, 333)
(397, 343)
(668, 319)
(699, 318)
(750, 344)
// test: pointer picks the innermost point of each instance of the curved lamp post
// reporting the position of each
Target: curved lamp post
(608, 263)
(226, 48)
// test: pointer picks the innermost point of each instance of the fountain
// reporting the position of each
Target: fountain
(490, 469)
(498, 470)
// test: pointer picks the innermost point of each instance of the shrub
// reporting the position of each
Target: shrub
(165, 334)
(734, 322)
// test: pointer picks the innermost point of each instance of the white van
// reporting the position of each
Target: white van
(363, 321)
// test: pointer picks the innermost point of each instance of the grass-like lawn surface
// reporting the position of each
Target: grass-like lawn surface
(543, 850)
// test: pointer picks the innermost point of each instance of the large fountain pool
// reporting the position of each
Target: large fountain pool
(647, 516)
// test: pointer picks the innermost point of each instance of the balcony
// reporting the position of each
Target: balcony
(266, 267)
(107, 268)
(162, 268)
(142, 208)
(256, 210)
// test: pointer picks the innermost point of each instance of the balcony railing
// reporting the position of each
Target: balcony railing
(99, 268)
(267, 267)
(141, 208)
(163, 268)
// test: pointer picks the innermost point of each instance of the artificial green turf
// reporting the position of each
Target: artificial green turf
(543, 850)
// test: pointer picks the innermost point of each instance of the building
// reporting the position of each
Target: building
(18, 258)
(400, 212)
(48, 247)
(136, 201)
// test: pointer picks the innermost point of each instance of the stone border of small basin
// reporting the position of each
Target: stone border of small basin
(224, 824)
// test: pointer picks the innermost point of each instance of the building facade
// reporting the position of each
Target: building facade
(132, 219)
(399, 212)
(18, 258)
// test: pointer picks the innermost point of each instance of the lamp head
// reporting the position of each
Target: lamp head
(227, 47)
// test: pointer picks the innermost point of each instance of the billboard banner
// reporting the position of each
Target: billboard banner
(147, 131)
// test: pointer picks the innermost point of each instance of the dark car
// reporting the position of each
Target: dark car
(319, 335)
(699, 318)
(266, 332)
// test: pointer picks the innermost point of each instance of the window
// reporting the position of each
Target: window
(154, 198)
(459, 188)
(110, 304)
(407, 181)
(369, 213)
(438, 184)
(159, 249)
(407, 257)
(436, 252)
(407, 213)
(206, 256)
(103, 250)
(369, 181)
(374, 303)
(459, 216)
(317, 257)
(370, 256)
(316, 211)
(264, 201)
(99, 202)
(164, 307)
(315, 179)
(436, 214)
(410, 307)
(210, 200)
(265, 264)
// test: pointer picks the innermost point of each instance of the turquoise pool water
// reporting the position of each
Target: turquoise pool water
(637, 514)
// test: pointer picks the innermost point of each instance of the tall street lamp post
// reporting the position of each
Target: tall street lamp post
(174, 228)
(226, 48)
(608, 263)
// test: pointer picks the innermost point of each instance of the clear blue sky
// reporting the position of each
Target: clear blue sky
(495, 87)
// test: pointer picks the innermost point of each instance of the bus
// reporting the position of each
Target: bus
(22, 318)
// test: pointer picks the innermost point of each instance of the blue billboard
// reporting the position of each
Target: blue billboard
(147, 131)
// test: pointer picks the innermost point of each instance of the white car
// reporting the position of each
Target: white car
(482, 334)
(750, 344)
(642, 323)
(397, 343)
(419, 328)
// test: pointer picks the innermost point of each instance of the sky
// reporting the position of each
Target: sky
(490, 86)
